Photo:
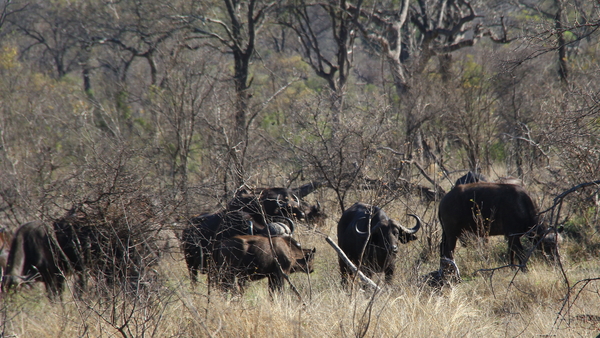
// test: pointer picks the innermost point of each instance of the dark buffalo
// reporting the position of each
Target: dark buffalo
(75, 244)
(379, 248)
(34, 255)
(250, 258)
(488, 209)
(470, 177)
(264, 203)
(49, 253)
(206, 231)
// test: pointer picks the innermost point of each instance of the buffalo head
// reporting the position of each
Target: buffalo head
(391, 232)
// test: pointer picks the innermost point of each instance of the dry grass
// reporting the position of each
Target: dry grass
(503, 304)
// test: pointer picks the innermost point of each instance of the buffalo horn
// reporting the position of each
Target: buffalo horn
(250, 228)
(365, 233)
(291, 224)
(413, 230)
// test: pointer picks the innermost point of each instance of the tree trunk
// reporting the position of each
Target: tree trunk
(562, 57)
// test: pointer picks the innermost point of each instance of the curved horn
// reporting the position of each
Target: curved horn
(413, 230)
(291, 224)
(250, 228)
(360, 233)
(365, 233)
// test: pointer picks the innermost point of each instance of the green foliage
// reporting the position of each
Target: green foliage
(272, 120)
(497, 151)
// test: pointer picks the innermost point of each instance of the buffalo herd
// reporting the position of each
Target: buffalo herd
(252, 238)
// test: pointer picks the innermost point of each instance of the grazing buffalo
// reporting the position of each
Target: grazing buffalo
(205, 231)
(488, 209)
(370, 240)
(34, 256)
(470, 177)
(250, 258)
(264, 203)
(49, 253)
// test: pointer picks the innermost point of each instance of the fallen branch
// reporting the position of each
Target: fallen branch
(351, 265)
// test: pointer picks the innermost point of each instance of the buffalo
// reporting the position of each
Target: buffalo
(370, 240)
(251, 258)
(488, 209)
(35, 255)
(79, 243)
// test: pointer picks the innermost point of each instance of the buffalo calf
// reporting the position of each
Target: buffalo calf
(205, 232)
(250, 258)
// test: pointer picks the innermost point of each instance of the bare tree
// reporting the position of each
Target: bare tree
(53, 36)
(326, 35)
(408, 34)
(237, 32)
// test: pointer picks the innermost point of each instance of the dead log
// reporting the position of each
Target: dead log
(351, 265)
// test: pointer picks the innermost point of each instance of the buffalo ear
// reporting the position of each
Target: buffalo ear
(314, 250)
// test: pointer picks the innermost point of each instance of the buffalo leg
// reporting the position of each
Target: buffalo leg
(389, 274)
(447, 247)
(345, 273)
(54, 283)
(516, 248)
(192, 265)
(275, 283)
(447, 264)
